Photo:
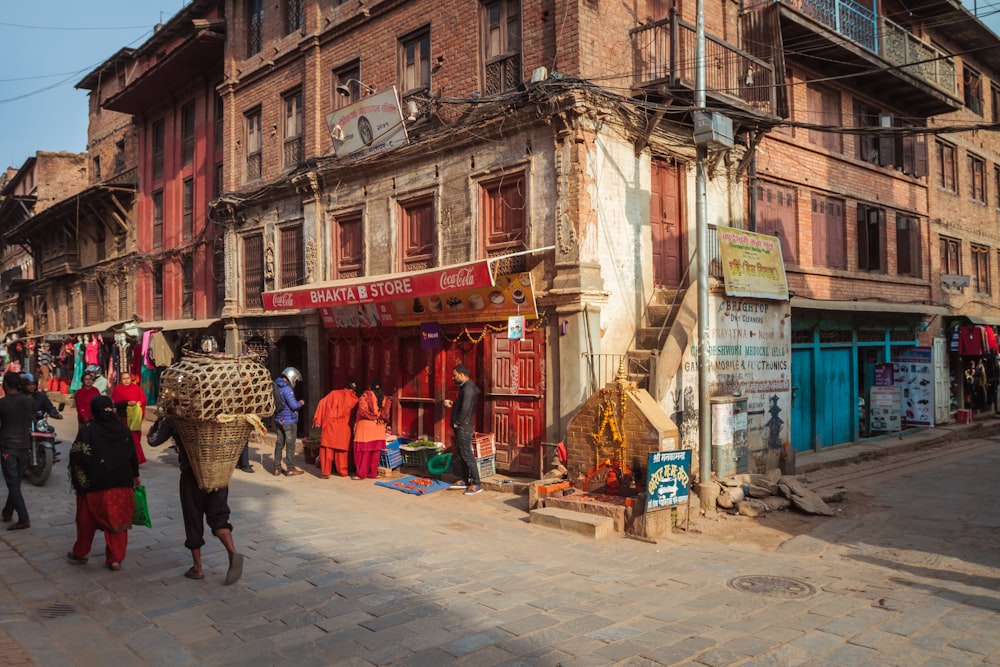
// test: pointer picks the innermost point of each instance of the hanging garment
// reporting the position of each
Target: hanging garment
(971, 341)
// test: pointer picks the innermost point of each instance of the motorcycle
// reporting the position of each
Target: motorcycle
(43, 449)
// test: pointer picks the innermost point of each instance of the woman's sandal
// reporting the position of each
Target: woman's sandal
(194, 574)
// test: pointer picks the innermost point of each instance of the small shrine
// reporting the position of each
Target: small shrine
(608, 446)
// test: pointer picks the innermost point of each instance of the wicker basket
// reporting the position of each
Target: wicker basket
(201, 387)
(213, 449)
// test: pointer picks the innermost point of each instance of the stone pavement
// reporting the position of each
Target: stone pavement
(342, 572)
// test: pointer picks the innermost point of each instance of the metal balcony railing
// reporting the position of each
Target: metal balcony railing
(665, 53)
(901, 47)
(854, 21)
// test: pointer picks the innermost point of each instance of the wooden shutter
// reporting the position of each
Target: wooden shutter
(776, 217)
(836, 243)
(863, 240)
(819, 231)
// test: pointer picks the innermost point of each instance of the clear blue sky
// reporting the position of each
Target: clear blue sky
(48, 46)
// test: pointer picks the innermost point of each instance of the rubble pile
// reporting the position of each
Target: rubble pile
(756, 495)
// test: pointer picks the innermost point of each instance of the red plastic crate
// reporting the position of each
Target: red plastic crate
(483, 445)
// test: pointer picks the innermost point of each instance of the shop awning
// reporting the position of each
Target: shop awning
(988, 321)
(868, 306)
(100, 327)
(380, 289)
(177, 325)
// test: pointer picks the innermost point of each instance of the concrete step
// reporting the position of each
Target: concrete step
(588, 525)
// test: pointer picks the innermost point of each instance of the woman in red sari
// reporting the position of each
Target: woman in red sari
(83, 396)
(369, 430)
(130, 401)
(104, 471)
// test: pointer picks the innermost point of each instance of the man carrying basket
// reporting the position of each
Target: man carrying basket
(199, 506)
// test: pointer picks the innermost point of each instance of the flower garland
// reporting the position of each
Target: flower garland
(476, 339)
(610, 405)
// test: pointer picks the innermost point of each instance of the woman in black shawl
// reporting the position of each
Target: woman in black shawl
(104, 471)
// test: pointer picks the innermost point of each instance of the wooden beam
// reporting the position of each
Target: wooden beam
(654, 121)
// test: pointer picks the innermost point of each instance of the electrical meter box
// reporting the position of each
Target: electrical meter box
(713, 130)
(730, 453)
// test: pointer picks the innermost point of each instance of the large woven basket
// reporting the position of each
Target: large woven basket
(208, 396)
(204, 386)
(213, 449)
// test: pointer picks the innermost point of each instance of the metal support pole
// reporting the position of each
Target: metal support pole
(705, 495)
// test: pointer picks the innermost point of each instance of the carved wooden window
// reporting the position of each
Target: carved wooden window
(158, 219)
(293, 126)
(187, 133)
(255, 26)
(292, 256)
(951, 256)
(417, 233)
(187, 287)
(500, 37)
(253, 271)
(253, 145)
(187, 209)
(415, 62)
(159, 142)
(503, 219)
(348, 245)
(981, 269)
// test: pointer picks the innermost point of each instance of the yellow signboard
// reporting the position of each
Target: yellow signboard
(752, 265)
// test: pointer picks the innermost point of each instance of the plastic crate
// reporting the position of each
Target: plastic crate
(483, 445)
(390, 458)
(487, 466)
(419, 457)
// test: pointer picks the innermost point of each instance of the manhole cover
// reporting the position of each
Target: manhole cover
(775, 587)
(57, 610)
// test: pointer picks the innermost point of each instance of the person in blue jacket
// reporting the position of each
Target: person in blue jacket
(286, 419)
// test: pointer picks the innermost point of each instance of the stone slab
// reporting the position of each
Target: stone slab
(589, 525)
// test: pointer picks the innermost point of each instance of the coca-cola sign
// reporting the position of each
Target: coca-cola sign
(378, 289)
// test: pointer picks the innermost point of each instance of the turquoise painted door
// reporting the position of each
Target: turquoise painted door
(803, 425)
(836, 403)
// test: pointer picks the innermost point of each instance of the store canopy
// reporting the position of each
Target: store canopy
(379, 289)
(177, 325)
(988, 321)
(100, 327)
(868, 306)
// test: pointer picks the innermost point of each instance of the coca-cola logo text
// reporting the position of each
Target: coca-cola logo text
(461, 279)
(282, 301)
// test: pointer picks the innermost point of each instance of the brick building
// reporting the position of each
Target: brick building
(523, 146)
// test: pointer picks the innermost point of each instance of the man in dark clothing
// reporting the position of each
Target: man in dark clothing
(15, 447)
(462, 411)
(199, 506)
(39, 399)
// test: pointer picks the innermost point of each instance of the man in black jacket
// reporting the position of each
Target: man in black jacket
(15, 447)
(462, 411)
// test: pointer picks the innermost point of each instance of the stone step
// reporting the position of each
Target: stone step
(588, 525)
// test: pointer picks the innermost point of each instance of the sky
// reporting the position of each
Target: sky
(48, 46)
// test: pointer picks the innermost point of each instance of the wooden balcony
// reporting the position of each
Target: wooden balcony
(664, 53)
(847, 40)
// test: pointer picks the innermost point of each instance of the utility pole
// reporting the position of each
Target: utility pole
(705, 496)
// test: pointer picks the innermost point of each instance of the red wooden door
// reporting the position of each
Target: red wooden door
(515, 399)
(665, 217)
(418, 412)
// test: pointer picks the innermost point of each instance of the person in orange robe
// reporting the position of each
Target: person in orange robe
(127, 394)
(333, 416)
(370, 429)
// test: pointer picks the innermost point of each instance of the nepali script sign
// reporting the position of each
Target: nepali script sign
(377, 289)
(668, 479)
(371, 125)
(752, 265)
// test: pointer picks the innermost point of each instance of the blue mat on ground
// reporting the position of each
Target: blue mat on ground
(418, 486)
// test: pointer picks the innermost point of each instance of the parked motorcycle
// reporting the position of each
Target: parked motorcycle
(43, 449)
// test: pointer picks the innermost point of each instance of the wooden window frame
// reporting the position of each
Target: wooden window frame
(415, 62)
(254, 169)
(157, 290)
(187, 209)
(786, 234)
(416, 254)
(824, 107)
(291, 248)
(187, 287)
(501, 44)
(348, 75)
(866, 146)
(995, 102)
(951, 256)
(252, 259)
(503, 220)
(293, 128)
(822, 204)
(972, 89)
(255, 26)
(347, 231)
(980, 255)
(947, 167)
(977, 178)
(187, 132)
(157, 203)
(158, 139)
(293, 15)
(219, 273)
(909, 260)
(871, 239)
